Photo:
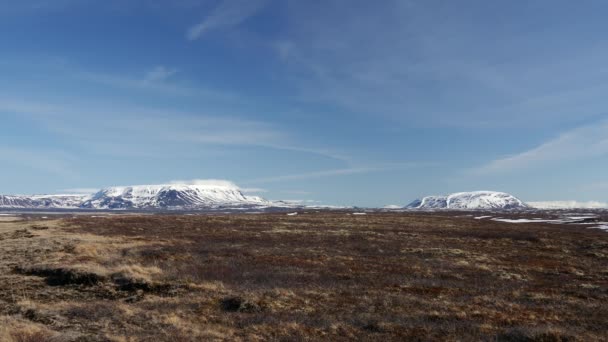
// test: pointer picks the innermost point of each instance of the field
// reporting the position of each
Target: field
(315, 276)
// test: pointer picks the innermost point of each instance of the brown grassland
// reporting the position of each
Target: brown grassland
(314, 276)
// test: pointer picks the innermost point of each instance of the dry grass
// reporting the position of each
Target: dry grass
(315, 276)
(22, 330)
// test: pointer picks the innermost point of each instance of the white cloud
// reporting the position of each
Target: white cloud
(210, 183)
(220, 183)
(584, 142)
(568, 205)
(229, 13)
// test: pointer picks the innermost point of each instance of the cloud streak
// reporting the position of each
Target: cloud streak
(583, 142)
(228, 14)
(340, 172)
(155, 80)
(126, 134)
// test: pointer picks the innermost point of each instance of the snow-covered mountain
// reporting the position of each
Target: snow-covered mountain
(173, 197)
(481, 200)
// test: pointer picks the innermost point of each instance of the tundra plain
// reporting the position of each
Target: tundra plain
(307, 277)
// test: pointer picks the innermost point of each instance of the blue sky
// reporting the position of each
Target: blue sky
(341, 102)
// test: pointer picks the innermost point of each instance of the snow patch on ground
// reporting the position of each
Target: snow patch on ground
(573, 220)
(526, 220)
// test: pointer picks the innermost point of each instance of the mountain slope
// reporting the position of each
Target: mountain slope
(476, 200)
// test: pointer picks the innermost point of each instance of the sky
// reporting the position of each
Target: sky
(343, 102)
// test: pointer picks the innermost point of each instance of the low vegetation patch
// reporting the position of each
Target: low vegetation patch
(62, 276)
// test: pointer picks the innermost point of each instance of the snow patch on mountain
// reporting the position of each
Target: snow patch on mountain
(434, 202)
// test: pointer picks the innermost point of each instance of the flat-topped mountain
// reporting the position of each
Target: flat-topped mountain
(171, 197)
(482, 200)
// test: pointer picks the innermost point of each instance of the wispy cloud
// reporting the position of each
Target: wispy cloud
(228, 14)
(212, 127)
(447, 69)
(325, 152)
(155, 80)
(340, 172)
(127, 134)
(124, 124)
(583, 142)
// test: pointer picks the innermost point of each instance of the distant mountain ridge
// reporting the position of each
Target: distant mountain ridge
(41, 201)
(144, 197)
(475, 200)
